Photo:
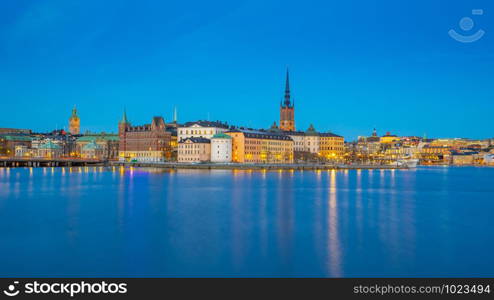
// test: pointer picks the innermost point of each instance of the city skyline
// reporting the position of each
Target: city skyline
(409, 79)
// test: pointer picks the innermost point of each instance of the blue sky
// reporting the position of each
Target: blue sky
(354, 65)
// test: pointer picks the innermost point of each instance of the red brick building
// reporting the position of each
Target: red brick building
(145, 143)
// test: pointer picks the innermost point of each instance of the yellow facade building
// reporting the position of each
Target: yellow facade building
(260, 147)
(331, 146)
(389, 139)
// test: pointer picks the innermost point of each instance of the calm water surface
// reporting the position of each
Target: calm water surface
(434, 221)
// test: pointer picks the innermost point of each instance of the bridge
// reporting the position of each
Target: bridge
(48, 162)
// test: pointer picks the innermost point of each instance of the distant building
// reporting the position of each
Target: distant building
(92, 150)
(74, 123)
(312, 140)
(22, 151)
(221, 148)
(194, 149)
(49, 150)
(146, 143)
(463, 158)
(204, 129)
(389, 138)
(331, 146)
(8, 143)
(435, 154)
(287, 109)
(261, 147)
(109, 144)
(369, 145)
(66, 142)
(321, 145)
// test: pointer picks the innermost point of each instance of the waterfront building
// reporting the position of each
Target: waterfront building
(145, 143)
(49, 150)
(369, 145)
(9, 142)
(172, 128)
(221, 148)
(461, 143)
(66, 142)
(194, 149)
(464, 158)
(312, 140)
(250, 146)
(313, 145)
(108, 143)
(22, 151)
(298, 138)
(92, 150)
(204, 129)
(74, 123)
(435, 154)
(331, 146)
(287, 109)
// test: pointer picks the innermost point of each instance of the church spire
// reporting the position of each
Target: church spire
(287, 89)
(124, 117)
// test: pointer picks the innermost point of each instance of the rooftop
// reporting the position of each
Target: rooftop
(198, 140)
(203, 123)
(49, 145)
(256, 134)
(24, 138)
(221, 135)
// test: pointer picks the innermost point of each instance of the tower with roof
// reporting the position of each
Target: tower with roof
(74, 122)
(287, 108)
(122, 130)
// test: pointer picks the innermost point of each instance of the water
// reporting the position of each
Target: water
(101, 222)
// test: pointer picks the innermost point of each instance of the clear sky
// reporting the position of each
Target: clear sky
(354, 65)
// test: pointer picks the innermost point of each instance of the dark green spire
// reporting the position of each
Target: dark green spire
(124, 117)
(287, 89)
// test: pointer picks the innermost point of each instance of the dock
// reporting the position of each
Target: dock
(68, 162)
(49, 162)
(238, 166)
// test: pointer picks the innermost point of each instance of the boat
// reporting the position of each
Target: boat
(489, 159)
(409, 163)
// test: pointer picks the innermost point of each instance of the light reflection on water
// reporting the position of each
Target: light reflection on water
(96, 221)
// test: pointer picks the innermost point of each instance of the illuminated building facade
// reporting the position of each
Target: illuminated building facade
(8, 143)
(261, 147)
(49, 149)
(92, 150)
(107, 143)
(435, 154)
(331, 146)
(204, 129)
(194, 149)
(389, 138)
(146, 143)
(74, 123)
(324, 145)
(221, 148)
(369, 145)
